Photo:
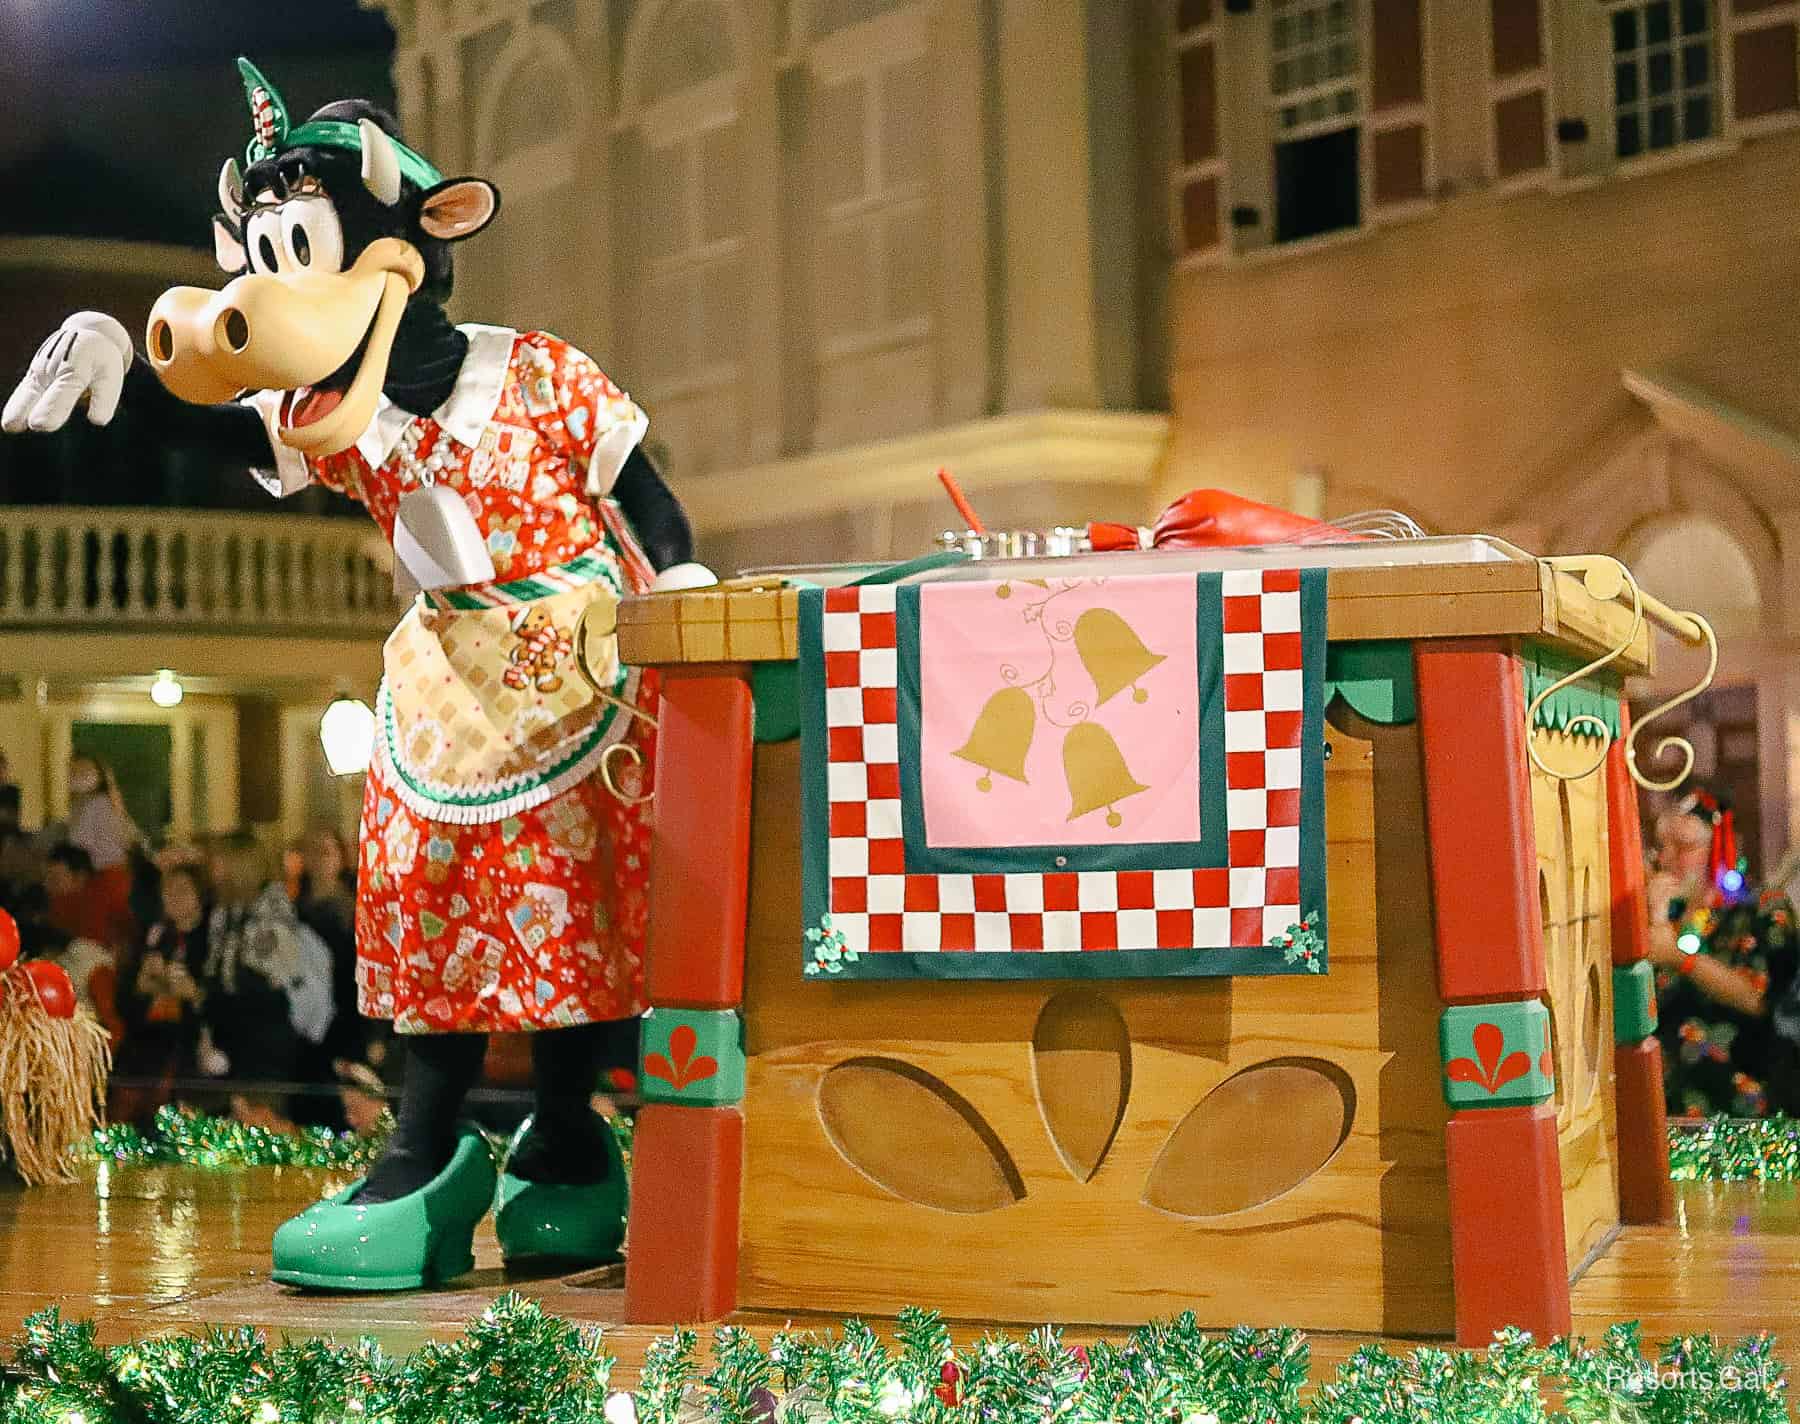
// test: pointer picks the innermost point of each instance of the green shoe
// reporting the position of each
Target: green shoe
(579, 1225)
(424, 1238)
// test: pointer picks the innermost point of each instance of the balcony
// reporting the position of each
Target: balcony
(266, 575)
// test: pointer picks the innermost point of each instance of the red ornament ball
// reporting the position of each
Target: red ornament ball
(9, 941)
(50, 982)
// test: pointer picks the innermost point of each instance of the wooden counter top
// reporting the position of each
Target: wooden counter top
(754, 620)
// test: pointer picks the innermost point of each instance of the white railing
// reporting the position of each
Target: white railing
(277, 573)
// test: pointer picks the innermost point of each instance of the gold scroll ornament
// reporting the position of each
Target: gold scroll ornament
(599, 624)
(1605, 578)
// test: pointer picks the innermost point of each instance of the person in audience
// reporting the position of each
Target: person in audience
(160, 1000)
(267, 978)
(326, 904)
(1726, 958)
(100, 825)
(9, 798)
(21, 870)
(80, 902)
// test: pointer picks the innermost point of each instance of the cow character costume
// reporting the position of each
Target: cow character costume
(504, 848)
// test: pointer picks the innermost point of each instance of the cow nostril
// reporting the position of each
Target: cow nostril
(234, 331)
(162, 343)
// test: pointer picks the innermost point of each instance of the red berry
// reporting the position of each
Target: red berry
(50, 983)
(9, 941)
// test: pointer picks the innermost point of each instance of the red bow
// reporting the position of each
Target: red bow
(1209, 519)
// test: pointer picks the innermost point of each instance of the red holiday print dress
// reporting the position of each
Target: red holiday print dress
(528, 911)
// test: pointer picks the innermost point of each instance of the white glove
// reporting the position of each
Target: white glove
(678, 577)
(211, 1062)
(86, 356)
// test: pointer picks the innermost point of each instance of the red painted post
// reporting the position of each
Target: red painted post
(1625, 853)
(1507, 1249)
(687, 1162)
(687, 1169)
(1490, 940)
(1509, 1261)
(1646, 1195)
(700, 850)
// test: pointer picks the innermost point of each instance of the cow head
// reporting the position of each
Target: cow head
(329, 232)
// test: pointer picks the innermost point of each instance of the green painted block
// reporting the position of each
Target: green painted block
(693, 1056)
(1634, 1002)
(1374, 679)
(775, 698)
(1496, 1055)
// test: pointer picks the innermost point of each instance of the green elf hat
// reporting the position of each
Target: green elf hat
(272, 135)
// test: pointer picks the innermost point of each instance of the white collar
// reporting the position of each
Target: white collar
(465, 413)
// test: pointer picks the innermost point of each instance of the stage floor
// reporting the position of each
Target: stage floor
(147, 1250)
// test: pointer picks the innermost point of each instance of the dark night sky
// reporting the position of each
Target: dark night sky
(119, 112)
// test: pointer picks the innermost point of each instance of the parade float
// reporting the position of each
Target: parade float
(1050, 930)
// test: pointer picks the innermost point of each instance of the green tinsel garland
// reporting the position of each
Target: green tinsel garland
(1722, 1150)
(516, 1364)
(1736, 1150)
(197, 1140)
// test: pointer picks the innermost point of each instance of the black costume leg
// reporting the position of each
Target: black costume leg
(440, 1070)
(566, 1145)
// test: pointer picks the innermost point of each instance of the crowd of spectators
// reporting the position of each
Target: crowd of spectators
(226, 981)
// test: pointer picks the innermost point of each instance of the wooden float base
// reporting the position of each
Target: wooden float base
(152, 1250)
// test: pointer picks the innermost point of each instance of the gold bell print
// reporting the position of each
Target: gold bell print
(1114, 656)
(1097, 772)
(1002, 736)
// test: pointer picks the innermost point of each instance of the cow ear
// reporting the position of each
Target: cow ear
(228, 251)
(458, 208)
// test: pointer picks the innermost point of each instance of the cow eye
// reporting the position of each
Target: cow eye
(312, 235)
(261, 242)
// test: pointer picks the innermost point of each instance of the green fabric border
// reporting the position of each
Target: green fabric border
(1313, 634)
(775, 701)
(815, 801)
(1064, 964)
(1078, 964)
(1210, 851)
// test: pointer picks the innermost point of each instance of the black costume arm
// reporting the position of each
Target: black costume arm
(233, 430)
(656, 516)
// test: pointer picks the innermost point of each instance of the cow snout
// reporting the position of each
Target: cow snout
(261, 332)
(183, 338)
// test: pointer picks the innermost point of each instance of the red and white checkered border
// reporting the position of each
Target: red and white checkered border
(880, 908)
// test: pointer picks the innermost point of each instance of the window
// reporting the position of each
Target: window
(1199, 170)
(528, 120)
(1315, 96)
(689, 269)
(1579, 88)
(1326, 107)
(872, 145)
(1662, 75)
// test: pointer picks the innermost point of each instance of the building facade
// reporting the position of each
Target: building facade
(830, 245)
(1515, 266)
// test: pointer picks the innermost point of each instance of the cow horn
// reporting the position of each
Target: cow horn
(231, 192)
(380, 164)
